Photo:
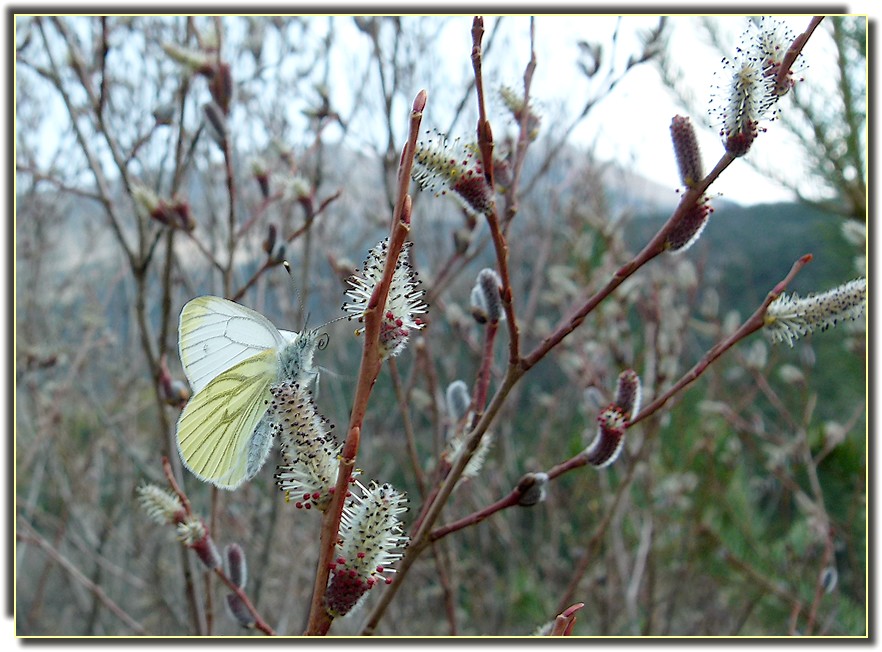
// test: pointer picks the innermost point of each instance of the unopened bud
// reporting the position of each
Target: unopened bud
(236, 566)
(486, 298)
(628, 393)
(194, 60)
(688, 228)
(610, 438)
(478, 305)
(165, 114)
(419, 102)
(221, 87)
(237, 610)
(458, 400)
(270, 242)
(207, 553)
(181, 217)
(686, 151)
(258, 169)
(461, 240)
(829, 577)
(532, 489)
(216, 123)
(176, 393)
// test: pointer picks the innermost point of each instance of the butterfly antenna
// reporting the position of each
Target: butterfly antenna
(301, 311)
(300, 306)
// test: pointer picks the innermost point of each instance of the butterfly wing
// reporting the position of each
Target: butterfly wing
(214, 335)
(218, 430)
(288, 336)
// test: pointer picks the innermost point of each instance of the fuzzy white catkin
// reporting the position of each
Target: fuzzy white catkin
(790, 317)
(458, 400)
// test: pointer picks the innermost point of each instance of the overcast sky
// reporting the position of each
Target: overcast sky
(631, 125)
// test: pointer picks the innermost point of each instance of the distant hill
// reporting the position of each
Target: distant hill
(747, 249)
(750, 248)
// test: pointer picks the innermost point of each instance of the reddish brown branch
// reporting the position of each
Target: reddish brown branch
(371, 360)
(652, 249)
(753, 324)
(485, 144)
(170, 477)
(483, 382)
(259, 623)
(566, 620)
(476, 517)
(782, 79)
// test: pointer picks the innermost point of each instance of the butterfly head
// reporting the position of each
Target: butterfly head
(296, 358)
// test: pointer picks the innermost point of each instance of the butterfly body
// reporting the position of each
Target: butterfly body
(232, 356)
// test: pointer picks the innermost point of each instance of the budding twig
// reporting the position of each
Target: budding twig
(566, 620)
(753, 324)
(371, 361)
(485, 144)
(518, 365)
(794, 50)
(652, 249)
(259, 623)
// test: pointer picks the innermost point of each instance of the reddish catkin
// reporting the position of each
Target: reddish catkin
(610, 438)
(751, 91)
(370, 541)
(686, 151)
(628, 393)
(444, 167)
(689, 227)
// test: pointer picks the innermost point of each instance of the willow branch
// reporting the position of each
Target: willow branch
(319, 620)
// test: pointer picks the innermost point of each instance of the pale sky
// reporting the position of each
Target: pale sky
(631, 125)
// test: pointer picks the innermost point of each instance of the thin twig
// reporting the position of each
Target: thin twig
(819, 584)
(76, 574)
(566, 620)
(753, 323)
(485, 144)
(407, 424)
(319, 620)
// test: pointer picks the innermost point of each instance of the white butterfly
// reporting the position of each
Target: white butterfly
(231, 356)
